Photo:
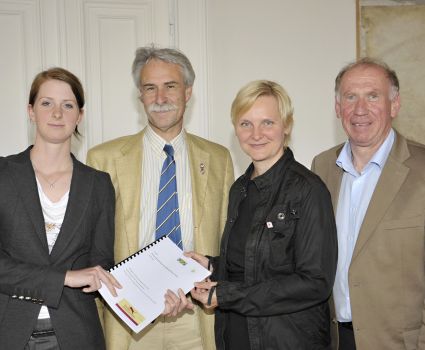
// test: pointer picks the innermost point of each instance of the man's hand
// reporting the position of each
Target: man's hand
(175, 304)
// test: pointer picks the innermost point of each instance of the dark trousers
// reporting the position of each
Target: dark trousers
(346, 337)
(43, 337)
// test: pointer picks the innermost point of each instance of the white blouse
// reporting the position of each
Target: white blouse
(53, 213)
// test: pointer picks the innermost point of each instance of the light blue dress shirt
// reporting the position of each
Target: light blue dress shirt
(354, 197)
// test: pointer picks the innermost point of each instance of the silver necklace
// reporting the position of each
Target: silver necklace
(51, 184)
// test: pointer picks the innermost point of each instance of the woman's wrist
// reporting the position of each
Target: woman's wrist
(210, 295)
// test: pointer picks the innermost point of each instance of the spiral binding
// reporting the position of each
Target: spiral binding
(136, 254)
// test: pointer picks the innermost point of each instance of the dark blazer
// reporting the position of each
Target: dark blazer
(29, 276)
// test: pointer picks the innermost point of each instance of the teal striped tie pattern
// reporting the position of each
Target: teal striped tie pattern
(167, 214)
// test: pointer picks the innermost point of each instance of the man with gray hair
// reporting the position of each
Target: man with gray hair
(377, 183)
(164, 154)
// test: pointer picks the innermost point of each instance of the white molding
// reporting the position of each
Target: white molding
(67, 33)
(173, 23)
(72, 57)
(95, 12)
(51, 33)
(192, 39)
(29, 62)
(149, 21)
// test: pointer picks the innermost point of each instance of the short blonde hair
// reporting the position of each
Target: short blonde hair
(248, 94)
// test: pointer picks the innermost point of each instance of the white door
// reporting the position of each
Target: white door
(96, 40)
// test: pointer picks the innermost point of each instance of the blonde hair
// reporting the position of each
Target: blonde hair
(248, 94)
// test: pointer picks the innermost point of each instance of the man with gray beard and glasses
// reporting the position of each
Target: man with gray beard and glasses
(202, 172)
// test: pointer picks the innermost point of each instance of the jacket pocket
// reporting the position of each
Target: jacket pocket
(402, 223)
(411, 339)
(280, 228)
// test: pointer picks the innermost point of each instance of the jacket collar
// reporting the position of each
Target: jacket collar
(24, 177)
(199, 163)
(78, 201)
(129, 172)
(269, 177)
(389, 184)
(334, 176)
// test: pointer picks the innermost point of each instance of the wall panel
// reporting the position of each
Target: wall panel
(19, 60)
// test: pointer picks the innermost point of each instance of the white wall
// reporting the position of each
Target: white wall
(300, 44)
(96, 40)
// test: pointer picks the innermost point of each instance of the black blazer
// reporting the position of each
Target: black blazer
(29, 276)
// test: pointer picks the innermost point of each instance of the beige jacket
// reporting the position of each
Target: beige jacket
(387, 271)
(122, 159)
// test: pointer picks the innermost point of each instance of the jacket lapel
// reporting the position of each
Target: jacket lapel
(392, 177)
(199, 161)
(79, 196)
(129, 173)
(334, 180)
(22, 174)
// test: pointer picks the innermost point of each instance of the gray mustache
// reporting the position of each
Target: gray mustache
(166, 107)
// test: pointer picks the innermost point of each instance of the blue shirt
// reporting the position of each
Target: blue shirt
(354, 197)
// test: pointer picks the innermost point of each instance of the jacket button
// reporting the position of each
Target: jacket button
(14, 296)
(281, 216)
(21, 297)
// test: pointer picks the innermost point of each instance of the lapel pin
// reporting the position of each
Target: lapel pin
(202, 168)
(281, 216)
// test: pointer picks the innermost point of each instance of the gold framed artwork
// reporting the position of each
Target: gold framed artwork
(394, 31)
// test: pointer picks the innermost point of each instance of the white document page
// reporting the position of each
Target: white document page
(145, 278)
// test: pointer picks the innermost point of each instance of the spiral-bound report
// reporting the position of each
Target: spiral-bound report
(145, 277)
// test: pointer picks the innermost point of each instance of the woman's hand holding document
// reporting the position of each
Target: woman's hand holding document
(154, 280)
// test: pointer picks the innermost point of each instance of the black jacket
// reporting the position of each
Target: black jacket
(30, 276)
(290, 261)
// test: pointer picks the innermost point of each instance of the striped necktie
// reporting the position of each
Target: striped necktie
(167, 214)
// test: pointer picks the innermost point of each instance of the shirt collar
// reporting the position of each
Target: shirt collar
(345, 159)
(157, 142)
